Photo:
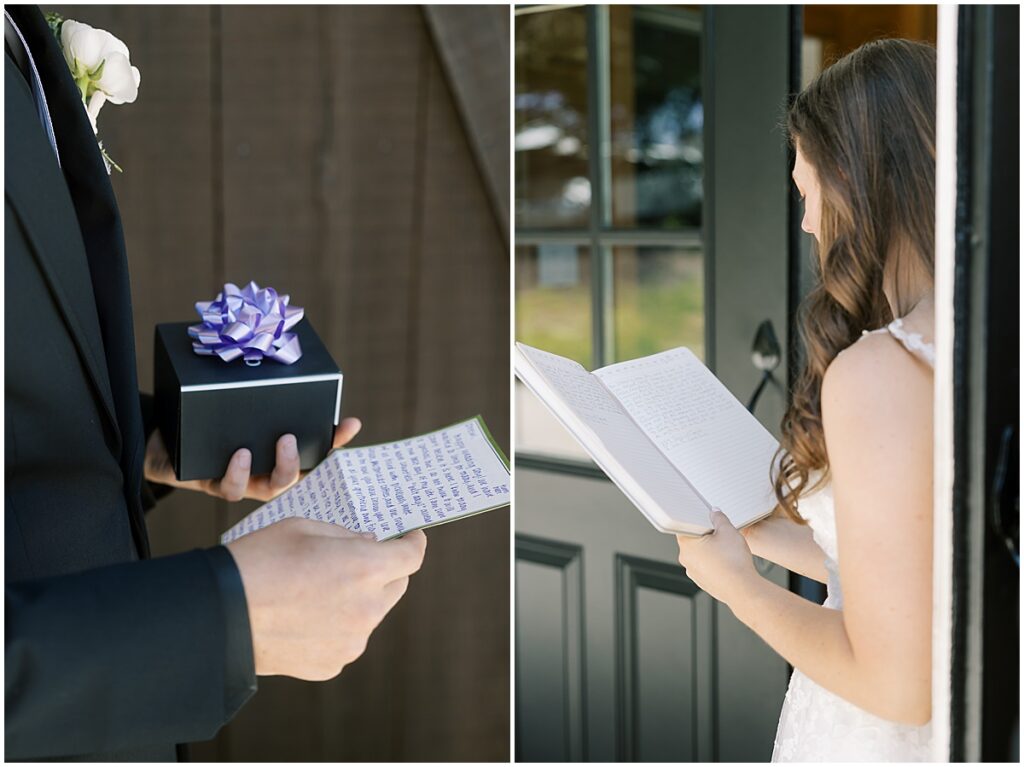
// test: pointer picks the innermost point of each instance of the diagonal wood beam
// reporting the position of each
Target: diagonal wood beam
(473, 45)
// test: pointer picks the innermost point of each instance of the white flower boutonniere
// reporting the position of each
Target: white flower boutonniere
(101, 66)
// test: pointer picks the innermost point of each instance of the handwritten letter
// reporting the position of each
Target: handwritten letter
(395, 487)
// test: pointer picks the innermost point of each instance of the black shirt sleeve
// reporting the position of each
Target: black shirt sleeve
(134, 654)
(239, 664)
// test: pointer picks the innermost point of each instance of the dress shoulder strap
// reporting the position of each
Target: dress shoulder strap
(912, 341)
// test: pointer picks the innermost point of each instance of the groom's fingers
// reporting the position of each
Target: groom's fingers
(346, 431)
(237, 484)
(286, 465)
(235, 480)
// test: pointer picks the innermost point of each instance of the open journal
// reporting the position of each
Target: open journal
(395, 487)
(666, 431)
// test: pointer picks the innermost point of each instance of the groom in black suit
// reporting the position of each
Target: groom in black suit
(111, 655)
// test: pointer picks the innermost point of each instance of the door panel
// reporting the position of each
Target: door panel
(549, 695)
(665, 628)
(665, 672)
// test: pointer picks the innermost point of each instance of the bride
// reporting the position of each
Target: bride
(854, 475)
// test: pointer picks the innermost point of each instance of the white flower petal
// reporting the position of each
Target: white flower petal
(118, 80)
(137, 75)
(66, 29)
(112, 44)
(96, 102)
(66, 50)
(82, 43)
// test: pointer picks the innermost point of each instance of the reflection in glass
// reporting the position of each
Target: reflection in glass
(553, 299)
(657, 117)
(659, 300)
(552, 183)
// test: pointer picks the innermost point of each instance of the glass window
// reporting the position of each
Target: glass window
(659, 300)
(553, 299)
(657, 117)
(552, 182)
(609, 256)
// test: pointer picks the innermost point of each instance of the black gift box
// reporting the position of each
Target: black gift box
(207, 408)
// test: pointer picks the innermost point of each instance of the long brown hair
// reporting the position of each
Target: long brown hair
(866, 124)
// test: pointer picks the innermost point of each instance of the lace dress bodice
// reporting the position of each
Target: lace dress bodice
(817, 725)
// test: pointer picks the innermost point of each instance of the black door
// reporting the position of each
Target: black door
(652, 211)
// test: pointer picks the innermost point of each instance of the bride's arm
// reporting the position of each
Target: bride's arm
(781, 540)
(876, 651)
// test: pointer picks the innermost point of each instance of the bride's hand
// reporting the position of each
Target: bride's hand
(720, 562)
(236, 483)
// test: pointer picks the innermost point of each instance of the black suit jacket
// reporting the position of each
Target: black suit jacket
(109, 654)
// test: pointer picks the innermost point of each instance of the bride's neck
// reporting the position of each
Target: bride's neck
(908, 288)
(918, 308)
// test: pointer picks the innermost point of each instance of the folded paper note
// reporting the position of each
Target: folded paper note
(395, 487)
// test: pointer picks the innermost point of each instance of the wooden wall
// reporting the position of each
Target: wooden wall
(356, 158)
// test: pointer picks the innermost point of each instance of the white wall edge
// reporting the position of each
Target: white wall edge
(945, 252)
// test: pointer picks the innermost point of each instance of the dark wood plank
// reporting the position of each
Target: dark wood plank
(473, 45)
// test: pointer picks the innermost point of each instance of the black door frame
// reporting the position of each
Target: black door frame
(984, 706)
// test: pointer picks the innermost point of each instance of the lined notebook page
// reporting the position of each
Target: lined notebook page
(624, 452)
(708, 435)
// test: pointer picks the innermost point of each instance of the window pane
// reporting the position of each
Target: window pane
(657, 117)
(553, 299)
(659, 300)
(552, 184)
(552, 313)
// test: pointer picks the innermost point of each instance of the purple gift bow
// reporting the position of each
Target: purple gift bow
(249, 322)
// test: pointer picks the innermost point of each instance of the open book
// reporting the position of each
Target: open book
(666, 431)
(395, 487)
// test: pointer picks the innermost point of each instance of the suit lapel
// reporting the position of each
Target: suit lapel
(37, 192)
(100, 224)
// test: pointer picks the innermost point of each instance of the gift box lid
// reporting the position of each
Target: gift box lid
(198, 372)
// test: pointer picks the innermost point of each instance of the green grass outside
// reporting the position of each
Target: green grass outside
(649, 318)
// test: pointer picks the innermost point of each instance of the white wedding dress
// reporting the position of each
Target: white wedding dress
(815, 725)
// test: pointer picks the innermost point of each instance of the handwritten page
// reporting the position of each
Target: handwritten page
(706, 433)
(579, 390)
(610, 436)
(392, 488)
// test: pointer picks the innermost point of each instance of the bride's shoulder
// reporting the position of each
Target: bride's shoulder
(876, 379)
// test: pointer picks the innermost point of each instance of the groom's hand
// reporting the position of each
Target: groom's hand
(316, 591)
(237, 483)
